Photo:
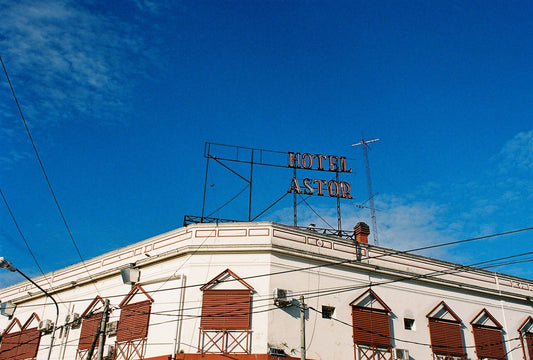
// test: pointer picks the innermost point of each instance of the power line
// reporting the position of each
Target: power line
(391, 253)
(44, 171)
(336, 290)
(23, 237)
(21, 234)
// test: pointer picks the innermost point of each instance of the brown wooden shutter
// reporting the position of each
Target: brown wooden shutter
(133, 322)
(446, 337)
(371, 327)
(489, 342)
(89, 327)
(529, 344)
(226, 309)
(10, 343)
(28, 343)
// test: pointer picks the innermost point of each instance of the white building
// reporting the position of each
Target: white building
(232, 291)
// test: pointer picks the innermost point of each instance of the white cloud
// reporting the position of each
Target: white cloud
(65, 60)
(517, 153)
(403, 224)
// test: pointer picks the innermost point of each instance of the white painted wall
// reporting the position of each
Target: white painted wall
(198, 253)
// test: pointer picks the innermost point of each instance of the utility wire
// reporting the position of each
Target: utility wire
(44, 172)
(316, 213)
(21, 234)
(23, 237)
(318, 292)
(428, 275)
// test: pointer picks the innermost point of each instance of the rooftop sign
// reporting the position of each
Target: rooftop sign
(319, 162)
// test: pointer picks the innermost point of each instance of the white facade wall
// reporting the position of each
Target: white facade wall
(326, 270)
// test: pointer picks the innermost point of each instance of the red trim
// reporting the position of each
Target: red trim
(30, 319)
(134, 290)
(374, 295)
(11, 325)
(91, 305)
(492, 318)
(447, 308)
(529, 319)
(216, 279)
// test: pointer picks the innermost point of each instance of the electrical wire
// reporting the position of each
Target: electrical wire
(316, 213)
(21, 234)
(457, 268)
(24, 239)
(44, 173)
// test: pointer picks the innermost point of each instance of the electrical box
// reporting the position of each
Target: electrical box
(46, 326)
(109, 351)
(73, 320)
(277, 352)
(401, 354)
(282, 297)
(111, 328)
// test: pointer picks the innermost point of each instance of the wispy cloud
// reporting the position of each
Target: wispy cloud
(67, 60)
(434, 213)
(517, 153)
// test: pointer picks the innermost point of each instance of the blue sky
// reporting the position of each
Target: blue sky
(121, 97)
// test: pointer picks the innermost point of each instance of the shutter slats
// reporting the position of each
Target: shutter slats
(89, 327)
(371, 327)
(226, 309)
(489, 342)
(20, 345)
(29, 343)
(133, 322)
(9, 347)
(446, 337)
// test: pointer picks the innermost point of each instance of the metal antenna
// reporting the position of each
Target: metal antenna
(369, 183)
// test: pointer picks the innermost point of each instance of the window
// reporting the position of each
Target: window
(488, 336)
(408, 324)
(327, 312)
(371, 323)
(445, 332)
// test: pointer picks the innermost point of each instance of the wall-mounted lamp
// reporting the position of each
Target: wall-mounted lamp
(130, 275)
(7, 308)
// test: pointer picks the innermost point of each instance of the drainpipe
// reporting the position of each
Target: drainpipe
(177, 338)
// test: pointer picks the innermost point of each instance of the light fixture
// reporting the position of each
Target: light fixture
(4, 264)
(8, 308)
(130, 275)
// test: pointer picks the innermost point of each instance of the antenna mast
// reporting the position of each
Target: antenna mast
(365, 143)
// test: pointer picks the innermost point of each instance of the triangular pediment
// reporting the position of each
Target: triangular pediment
(93, 306)
(227, 280)
(12, 327)
(443, 312)
(526, 326)
(369, 300)
(136, 294)
(485, 319)
(33, 321)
